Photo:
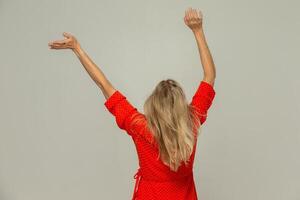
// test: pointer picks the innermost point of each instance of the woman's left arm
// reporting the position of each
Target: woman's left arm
(95, 72)
(126, 115)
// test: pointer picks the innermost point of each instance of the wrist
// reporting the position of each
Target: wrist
(77, 49)
(198, 30)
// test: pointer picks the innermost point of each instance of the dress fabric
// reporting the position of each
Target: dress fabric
(154, 180)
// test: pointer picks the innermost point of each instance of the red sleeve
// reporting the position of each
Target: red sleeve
(202, 100)
(124, 113)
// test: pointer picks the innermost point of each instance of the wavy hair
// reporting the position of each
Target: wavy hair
(171, 119)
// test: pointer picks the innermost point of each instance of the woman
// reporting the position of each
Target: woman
(166, 135)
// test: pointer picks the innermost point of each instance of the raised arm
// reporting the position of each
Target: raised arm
(95, 73)
(203, 97)
(126, 115)
(193, 19)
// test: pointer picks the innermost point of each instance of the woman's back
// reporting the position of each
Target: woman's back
(154, 179)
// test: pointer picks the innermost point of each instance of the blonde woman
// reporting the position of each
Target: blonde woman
(166, 134)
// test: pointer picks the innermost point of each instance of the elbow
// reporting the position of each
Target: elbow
(210, 79)
(210, 76)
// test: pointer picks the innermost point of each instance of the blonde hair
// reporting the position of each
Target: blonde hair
(171, 119)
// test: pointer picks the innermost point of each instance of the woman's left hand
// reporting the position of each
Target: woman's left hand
(69, 43)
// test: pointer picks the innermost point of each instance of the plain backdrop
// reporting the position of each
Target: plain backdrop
(58, 141)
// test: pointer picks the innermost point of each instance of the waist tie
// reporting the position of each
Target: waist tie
(137, 176)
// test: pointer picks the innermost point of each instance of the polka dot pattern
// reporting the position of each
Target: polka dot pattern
(154, 179)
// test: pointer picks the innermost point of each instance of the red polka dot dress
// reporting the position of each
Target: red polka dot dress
(154, 179)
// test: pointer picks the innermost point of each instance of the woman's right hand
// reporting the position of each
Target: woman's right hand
(193, 19)
(70, 42)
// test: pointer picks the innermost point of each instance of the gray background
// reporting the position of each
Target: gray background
(58, 141)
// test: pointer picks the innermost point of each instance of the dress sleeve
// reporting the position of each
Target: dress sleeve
(126, 115)
(202, 100)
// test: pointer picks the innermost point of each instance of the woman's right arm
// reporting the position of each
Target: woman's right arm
(209, 70)
(193, 20)
(205, 94)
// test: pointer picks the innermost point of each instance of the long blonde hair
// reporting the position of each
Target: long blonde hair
(171, 120)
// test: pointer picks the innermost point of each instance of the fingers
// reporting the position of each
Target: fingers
(58, 42)
(68, 35)
(65, 41)
(200, 14)
(191, 13)
(59, 46)
(55, 47)
(196, 14)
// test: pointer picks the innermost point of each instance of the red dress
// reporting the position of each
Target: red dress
(154, 179)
